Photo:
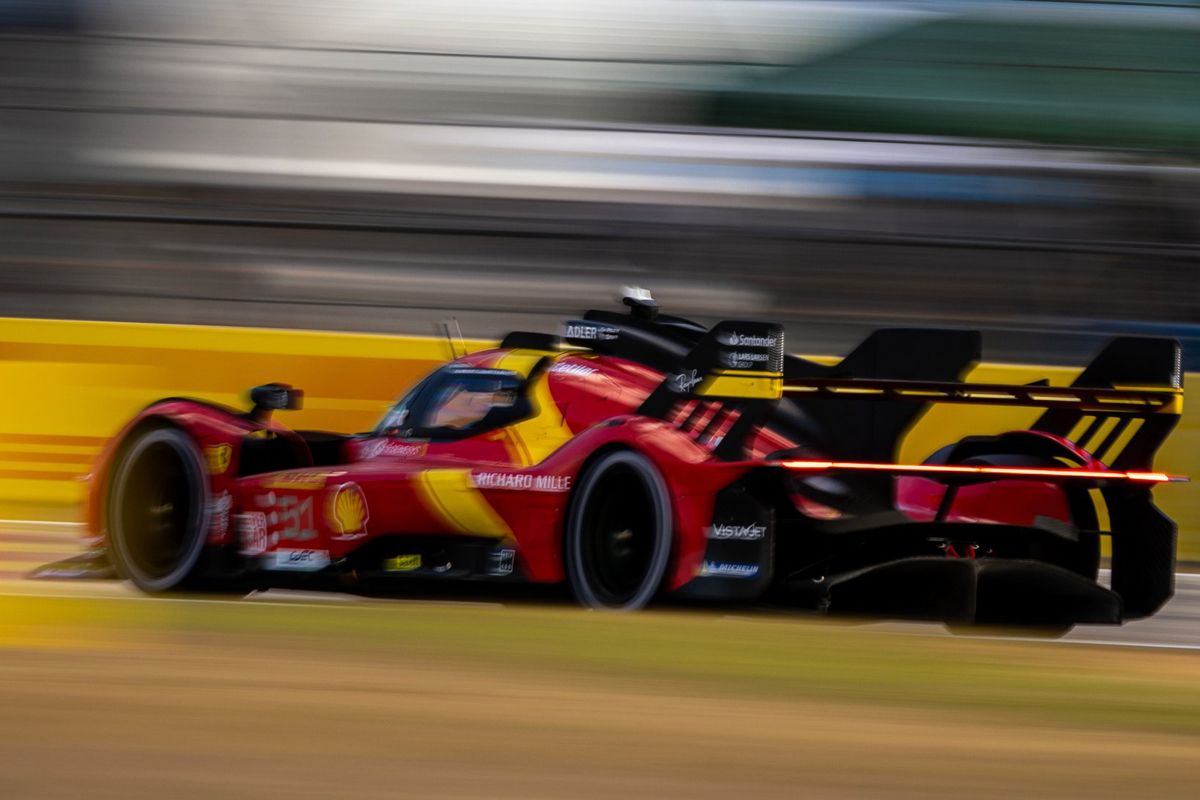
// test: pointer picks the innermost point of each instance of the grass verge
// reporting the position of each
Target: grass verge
(681, 652)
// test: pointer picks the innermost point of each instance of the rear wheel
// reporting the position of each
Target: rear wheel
(618, 536)
(158, 510)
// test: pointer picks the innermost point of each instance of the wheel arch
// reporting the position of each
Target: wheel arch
(584, 466)
(1035, 448)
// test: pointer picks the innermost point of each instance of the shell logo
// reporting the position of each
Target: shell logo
(348, 513)
(217, 457)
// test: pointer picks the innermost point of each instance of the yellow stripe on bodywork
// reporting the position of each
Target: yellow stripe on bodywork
(453, 498)
(761, 386)
(533, 439)
(1173, 406)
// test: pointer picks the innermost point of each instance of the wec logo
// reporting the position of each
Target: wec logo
(301, 560)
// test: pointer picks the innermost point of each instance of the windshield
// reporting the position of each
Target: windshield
(394, 421)
(460, 405)
(455, 401)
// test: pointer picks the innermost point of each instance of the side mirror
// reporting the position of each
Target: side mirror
(274, 397)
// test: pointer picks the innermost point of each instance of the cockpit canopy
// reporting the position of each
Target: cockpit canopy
(458, 401)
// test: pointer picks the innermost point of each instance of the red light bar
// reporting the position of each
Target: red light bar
(967, 469)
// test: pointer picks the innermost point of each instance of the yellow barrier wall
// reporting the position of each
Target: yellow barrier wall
(68, 386)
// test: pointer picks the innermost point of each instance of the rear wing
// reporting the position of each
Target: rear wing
(1080, 399)
(721, 383)
(1120, 409)
(966, 473)
(1131, 367)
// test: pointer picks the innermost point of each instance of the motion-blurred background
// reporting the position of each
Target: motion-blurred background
(380, 166)
(1028, 167)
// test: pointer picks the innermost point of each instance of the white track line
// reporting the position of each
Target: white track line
(1106, 643)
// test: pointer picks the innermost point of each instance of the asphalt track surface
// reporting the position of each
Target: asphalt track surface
(24, 545)
(296, 695)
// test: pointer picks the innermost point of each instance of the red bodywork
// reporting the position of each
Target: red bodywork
(513, 483)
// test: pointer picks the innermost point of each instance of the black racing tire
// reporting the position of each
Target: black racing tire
(617, 542)
(158, 510)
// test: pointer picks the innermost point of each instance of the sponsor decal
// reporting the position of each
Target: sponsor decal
(406, 563)
(390, 448)
(521, 480)
(735, 339)
(500, 562)
(726, 569)
(740, 359)
(502, 480)
(552, 483)
(683, 382)
(586, 331)
(405, 449)
(300, 560)
(303, 480)
(252, 533)
(221, 505)
(218, 456)
(347, 512)
(574, 369)
(742, 533)
(749, 350)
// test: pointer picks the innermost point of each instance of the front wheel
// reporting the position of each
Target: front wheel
(618, 535)
(158, 510)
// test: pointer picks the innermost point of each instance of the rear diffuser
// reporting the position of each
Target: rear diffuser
(964, 591)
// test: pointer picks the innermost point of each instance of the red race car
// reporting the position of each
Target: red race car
(641, 454)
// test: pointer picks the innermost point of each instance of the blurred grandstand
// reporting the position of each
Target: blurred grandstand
(1026, 167)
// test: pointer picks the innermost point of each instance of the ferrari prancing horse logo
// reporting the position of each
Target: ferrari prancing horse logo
(217, 457)
(347, 511)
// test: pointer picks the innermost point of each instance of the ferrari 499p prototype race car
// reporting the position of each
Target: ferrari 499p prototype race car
(640, 454)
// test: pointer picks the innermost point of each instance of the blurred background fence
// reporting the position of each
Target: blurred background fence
(1028, 168)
